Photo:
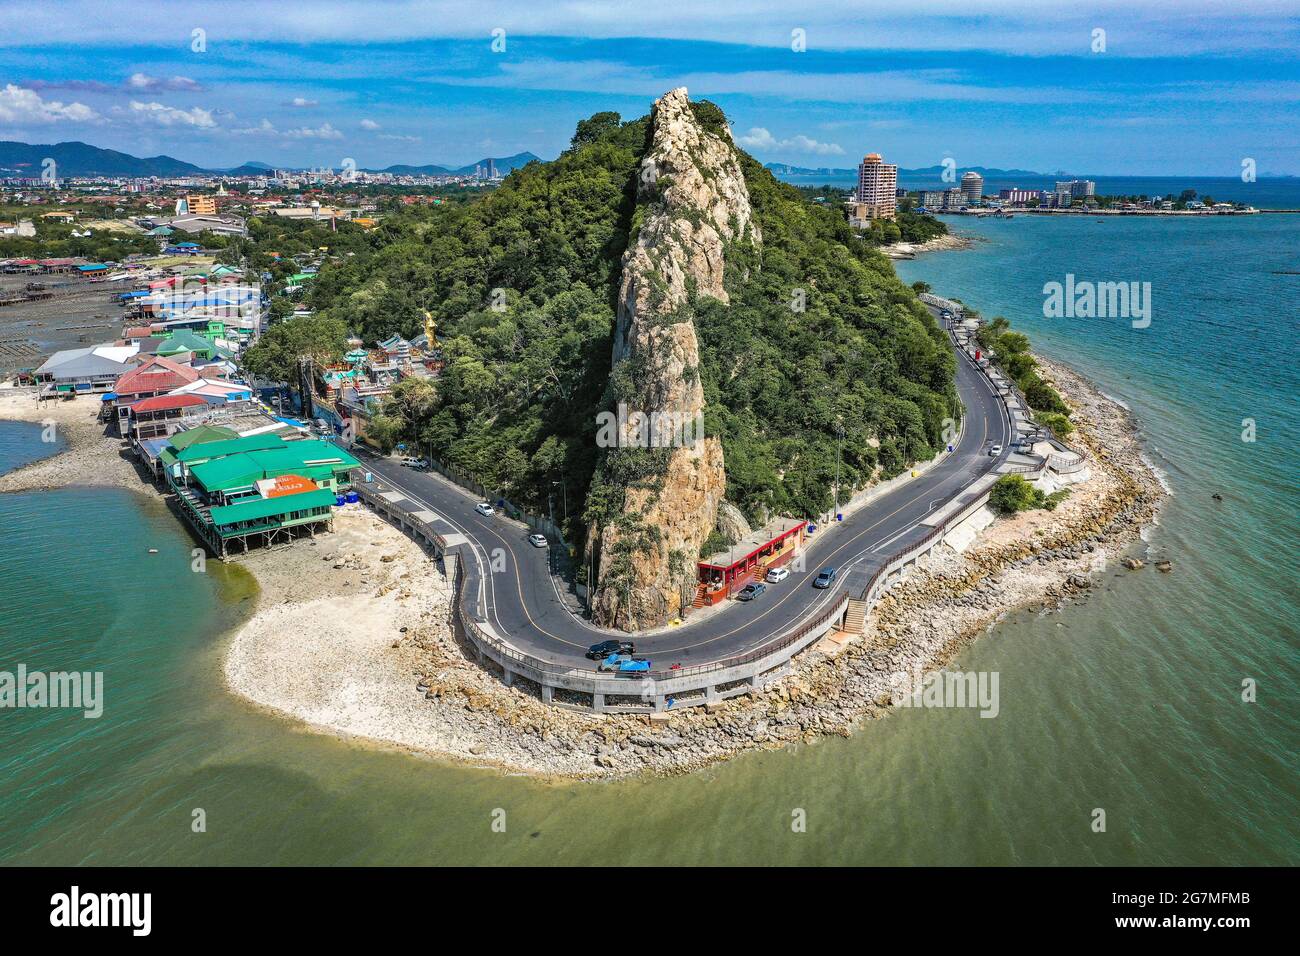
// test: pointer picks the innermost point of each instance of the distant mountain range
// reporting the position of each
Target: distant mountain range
(503, 164)
(82, 159)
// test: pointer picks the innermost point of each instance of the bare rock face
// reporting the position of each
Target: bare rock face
(732, 523)
(693, 200)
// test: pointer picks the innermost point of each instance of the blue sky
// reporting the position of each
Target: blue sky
(1189, 87)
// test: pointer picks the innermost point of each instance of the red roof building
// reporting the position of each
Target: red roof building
(159, 416)
(154, 376)
(161, 403)
(774, 544)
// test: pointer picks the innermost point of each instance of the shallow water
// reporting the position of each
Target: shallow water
(1129, 702)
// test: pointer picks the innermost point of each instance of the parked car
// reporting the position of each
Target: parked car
(598, 652)
(415, 463)
(777, 575)
(537, 540)
(824, 578)
(751, 591)
(995, 451)
(485, 509)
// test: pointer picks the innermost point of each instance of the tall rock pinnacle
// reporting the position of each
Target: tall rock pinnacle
(693, 200)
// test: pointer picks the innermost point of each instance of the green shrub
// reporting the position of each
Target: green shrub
(1011, 493)
(1056, 422)
(1043, 398)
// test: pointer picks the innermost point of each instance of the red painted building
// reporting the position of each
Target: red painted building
(724, 573)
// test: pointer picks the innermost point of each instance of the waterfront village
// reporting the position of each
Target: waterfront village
(247, 464)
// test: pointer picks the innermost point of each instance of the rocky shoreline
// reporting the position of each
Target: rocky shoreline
(910, 250)
(451, 707)
(352, 632)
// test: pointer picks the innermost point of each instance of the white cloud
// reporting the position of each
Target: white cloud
(263, 128)
(303, 103)
(324, 131)
(164, 115)
(394, 137)
(760, 138)
(369, 124)
(21, 106)
(267, 128)
(144, 83)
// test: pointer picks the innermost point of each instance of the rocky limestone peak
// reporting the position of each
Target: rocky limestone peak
(693, 201)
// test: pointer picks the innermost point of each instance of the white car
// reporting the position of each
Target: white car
(537, 540)
(485, 509)
(777, 575)
(995, 451)
(415, 463)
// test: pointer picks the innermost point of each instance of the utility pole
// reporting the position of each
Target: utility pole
(564, 491)
(839, 453)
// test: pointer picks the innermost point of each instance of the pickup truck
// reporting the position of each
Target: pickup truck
(624, 664)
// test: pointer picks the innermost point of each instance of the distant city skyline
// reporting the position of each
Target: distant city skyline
(1190, 88)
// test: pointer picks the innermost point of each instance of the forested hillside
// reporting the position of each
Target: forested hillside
(821, 340)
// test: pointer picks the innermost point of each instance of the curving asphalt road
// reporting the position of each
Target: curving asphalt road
(522, 600)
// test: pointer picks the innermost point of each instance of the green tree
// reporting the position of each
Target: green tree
(274, 356)
(591, 130)
(1042, 397)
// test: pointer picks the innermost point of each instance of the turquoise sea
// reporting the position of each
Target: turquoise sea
(1129, 702)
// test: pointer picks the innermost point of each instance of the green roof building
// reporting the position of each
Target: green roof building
(266, 514)
(216, 484)
(236, 475)
(206, 451)
(194, 436)
(185, 340)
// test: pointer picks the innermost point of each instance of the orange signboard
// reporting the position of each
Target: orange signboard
(290, 485)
